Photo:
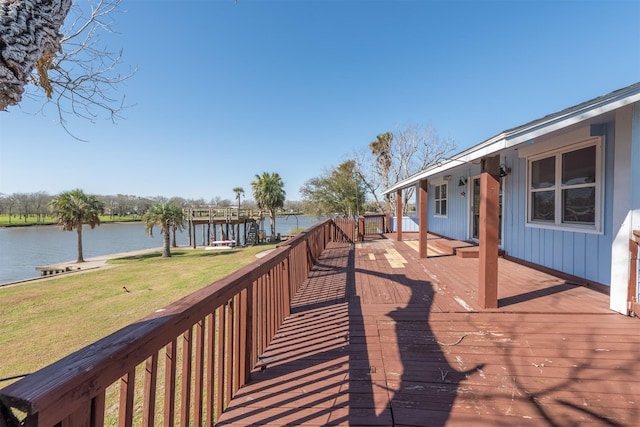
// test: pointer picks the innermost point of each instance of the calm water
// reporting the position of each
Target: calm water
(22, 249)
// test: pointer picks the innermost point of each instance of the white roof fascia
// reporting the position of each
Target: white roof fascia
(479, 151)
(508, 139)
(567, 120)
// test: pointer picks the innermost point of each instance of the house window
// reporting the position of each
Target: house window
(565, 187)
(440, 199)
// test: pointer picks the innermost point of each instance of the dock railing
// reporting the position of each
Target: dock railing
(183, 363)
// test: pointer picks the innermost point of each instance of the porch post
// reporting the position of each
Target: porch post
(399, 214)
(488, 233)
(387, 210)
(423, 217)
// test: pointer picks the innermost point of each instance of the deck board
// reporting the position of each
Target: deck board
(371, 343)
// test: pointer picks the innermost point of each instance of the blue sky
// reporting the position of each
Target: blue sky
(226, 90)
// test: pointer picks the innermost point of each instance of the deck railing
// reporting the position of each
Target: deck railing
(372, 224)
(183, 363)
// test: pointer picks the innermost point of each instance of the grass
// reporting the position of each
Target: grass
(45, 320)
(19, 221)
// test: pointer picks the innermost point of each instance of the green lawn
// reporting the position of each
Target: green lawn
(45, 320)
(16, 221)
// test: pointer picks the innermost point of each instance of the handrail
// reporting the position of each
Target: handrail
(220, 331)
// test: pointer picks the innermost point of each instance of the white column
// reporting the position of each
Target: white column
(627, 129)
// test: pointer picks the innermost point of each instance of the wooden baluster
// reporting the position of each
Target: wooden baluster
(210, 342)
(237, 313)
(243, 349)
(127, 390)
(228, 362)
(170, 384)
(97, 409)
(187, 354)
(199, 373)
(79, 417)
(220, 359)
(150, 383)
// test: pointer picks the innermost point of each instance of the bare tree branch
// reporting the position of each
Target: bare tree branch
(82, 76)
(29, 37)
(399, 155)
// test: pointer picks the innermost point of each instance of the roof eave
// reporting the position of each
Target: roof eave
(528, 132)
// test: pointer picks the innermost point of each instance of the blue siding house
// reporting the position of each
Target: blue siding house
(569, 192)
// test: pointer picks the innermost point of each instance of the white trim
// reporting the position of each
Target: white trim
(470, 207)
(446, 200)
(598, 226)
(626, 129)
(571, 118)
(528, 132)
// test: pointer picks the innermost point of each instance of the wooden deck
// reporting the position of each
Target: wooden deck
(380, 337)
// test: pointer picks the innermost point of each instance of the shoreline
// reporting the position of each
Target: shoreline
(98, 262)
(89, 264)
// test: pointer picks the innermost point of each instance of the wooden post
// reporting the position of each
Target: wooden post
(423, 217)
(488, 233)
(399, 214)
(387, 201)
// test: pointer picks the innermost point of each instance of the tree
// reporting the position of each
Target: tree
(168, 216)
(268, 191)
(67, 65)
(239, 191)
(24, 204)
(8, 202)
(72, 209)
(338, 191)
(395, 156)
(40, 201)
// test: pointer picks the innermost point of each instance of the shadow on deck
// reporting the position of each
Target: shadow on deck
(378, 336)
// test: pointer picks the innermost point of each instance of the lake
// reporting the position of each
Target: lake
(22, 249)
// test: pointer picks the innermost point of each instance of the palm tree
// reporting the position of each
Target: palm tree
(74, 208)
(239, 191)
(268, 191)
(168, 216)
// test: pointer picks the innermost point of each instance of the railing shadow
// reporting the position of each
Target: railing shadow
(538, 293)
(420, 383)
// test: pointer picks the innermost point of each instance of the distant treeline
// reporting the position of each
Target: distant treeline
(33, 208)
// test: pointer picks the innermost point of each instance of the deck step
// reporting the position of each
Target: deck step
(449, 247)
(468, 252)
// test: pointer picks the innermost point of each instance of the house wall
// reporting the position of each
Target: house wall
(626, 201)
(601, 257)
(583, 254)
(586, 255)
(635, 181)
(635, 169)
(409, 223)
(456, 224)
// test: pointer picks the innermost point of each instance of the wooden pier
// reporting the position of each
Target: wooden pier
(241, 225)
